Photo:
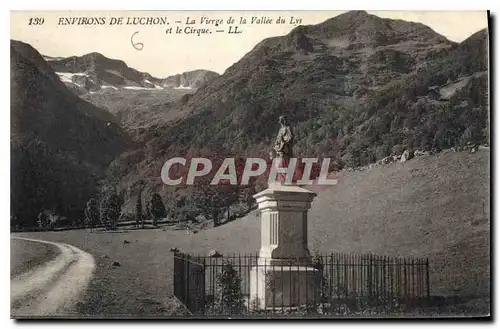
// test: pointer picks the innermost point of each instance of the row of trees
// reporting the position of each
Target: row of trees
(155, 209)
(213, 202)
(107, 210)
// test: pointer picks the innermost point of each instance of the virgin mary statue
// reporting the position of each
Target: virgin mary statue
(283, 147)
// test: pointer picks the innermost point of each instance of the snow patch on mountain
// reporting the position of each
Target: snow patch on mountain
(49, 58)
(68, 77)
(184, 87)
(108, 87)
(138, 88)
(75, 79)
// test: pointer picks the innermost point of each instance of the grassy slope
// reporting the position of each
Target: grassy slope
(138, 108)
(26, 255)
(432, 206)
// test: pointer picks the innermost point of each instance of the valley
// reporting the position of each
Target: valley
(402, 112)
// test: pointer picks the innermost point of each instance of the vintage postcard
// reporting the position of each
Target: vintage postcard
(238, 164)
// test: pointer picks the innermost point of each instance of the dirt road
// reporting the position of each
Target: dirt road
(54, 287)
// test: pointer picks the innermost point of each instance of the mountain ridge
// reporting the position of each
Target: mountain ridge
(94, 71)
(60, 144)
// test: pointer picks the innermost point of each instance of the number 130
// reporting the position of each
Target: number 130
(36, 21)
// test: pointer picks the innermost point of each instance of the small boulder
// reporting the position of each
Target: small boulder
(407, 155)
(126, 241)
(115, 264)
(214, 253)
(473, 150)
(387, 160)
(174, 249)
(420, 153)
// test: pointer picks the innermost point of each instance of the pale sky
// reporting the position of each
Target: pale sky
(167, 54)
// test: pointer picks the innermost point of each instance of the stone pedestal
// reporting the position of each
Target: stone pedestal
(284, 286)
(284, 276)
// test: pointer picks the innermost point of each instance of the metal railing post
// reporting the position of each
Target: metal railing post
(427, 277)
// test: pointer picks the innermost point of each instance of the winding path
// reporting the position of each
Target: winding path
(53, 288)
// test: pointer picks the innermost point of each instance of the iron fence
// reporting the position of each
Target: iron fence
(333, 283)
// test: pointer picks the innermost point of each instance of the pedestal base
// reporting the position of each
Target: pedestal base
(284, 286)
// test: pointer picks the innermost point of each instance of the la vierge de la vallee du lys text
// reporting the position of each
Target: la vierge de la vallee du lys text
(233, 24)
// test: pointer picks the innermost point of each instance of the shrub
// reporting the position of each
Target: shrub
(229, 297)
(48, 219)
(42, 220)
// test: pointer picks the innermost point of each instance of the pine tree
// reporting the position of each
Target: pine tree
(157, 208)
(110, 210)
(148, 213)
(139, 218)
(91, 214)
